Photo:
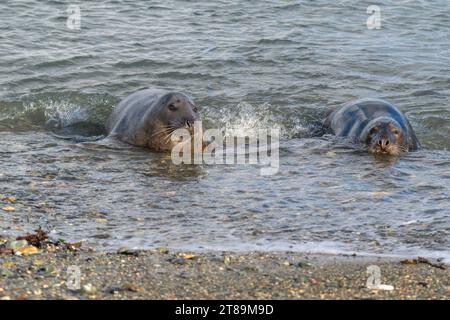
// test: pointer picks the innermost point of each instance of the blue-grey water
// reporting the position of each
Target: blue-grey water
(247, 64)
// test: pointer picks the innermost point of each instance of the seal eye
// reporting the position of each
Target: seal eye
(172, 107)
(395, 132)
(372, 131)
(195, 109)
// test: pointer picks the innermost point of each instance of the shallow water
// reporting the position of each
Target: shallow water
(271, 64)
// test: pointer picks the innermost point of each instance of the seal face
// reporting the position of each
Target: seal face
(376, 123)
(148, 117)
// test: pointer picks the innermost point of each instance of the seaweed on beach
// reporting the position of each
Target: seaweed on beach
(438, 265)
(39, 239)
(33, 243)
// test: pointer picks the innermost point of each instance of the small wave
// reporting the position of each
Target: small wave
(141, 63)
(276, 41)
(55, 111)
(245, 119)
(70, 61)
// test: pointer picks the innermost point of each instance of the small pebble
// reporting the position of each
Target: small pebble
(17, 244)
(89, 289)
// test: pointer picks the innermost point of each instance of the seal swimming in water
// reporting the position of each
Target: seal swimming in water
(376, 123)
(147, 118)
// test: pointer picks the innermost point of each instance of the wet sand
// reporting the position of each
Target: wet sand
(162, 274)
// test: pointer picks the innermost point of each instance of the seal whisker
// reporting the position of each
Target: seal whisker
(167, 129)
(167, 138)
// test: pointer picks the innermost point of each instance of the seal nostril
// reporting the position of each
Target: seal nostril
(387, 142)
(379, 142)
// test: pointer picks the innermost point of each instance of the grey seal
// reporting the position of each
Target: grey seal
(147, 118)
(378, 124)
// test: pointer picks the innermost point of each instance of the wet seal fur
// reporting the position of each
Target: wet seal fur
(147, 118)
(376, 123)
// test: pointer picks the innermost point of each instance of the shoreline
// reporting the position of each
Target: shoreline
(164, 274)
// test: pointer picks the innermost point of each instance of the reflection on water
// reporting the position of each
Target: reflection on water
(248, 65)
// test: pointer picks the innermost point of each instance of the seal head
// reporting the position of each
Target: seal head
(384, 136)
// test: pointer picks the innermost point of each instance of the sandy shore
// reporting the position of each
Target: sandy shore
(161, 274)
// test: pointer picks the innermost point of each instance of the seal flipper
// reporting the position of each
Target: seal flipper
(80, 132)
(413, 142)
(79, 139)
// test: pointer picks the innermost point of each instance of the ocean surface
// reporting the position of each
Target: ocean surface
(248, 65)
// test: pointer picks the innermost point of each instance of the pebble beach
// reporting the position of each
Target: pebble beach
(163, 274)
